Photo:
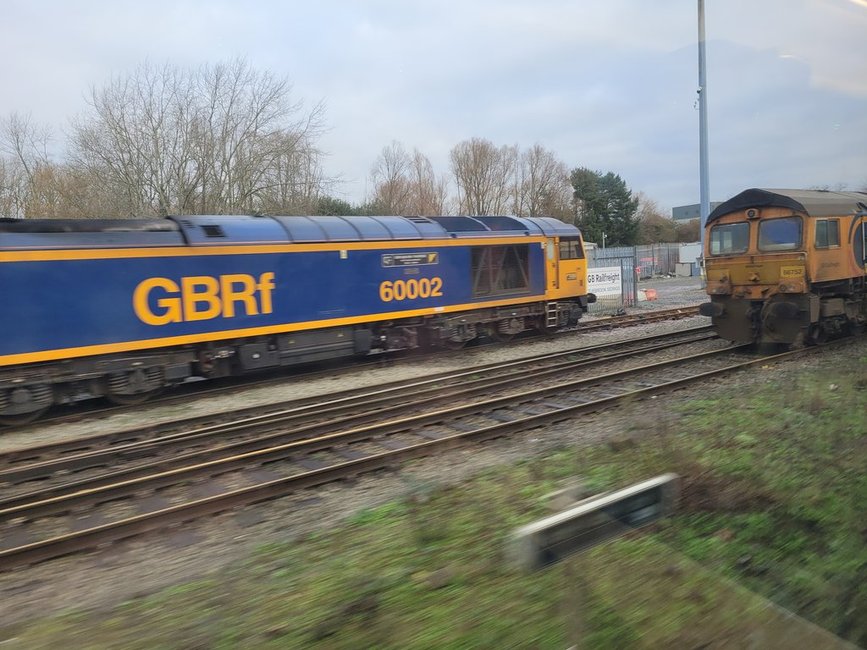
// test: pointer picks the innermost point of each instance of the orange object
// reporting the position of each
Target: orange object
(650, 293)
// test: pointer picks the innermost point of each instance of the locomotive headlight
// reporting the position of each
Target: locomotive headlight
(790, 287)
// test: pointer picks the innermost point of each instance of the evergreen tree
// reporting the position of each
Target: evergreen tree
(331, 206)
(605, 205)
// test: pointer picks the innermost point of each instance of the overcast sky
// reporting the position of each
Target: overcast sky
(605, 84)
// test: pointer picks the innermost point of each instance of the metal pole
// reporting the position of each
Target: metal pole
(702, 122)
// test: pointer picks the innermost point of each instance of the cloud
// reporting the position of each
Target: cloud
(608, 84)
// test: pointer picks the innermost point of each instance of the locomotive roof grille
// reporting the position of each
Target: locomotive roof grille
(213, 230)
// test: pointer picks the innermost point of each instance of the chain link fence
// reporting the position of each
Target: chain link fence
(635, 263)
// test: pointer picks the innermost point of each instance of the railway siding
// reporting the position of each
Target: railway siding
(512, 412)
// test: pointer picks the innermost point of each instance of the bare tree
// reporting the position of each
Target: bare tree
(28, 178)
(406, 184)
(140, 141)
(294, 181)
(255, 139)
(10, 196)
(653, 225)
(429, 193)
(542, 185)
(222, 138)
(484, 176)
(689, 231)
(392, 192)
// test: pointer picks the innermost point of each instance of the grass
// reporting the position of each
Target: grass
(774, 506)
(794, 454)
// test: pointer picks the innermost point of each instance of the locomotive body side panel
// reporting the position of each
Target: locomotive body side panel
(60, 304)
(830, 261)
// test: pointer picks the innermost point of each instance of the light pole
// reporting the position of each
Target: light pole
(702, 123)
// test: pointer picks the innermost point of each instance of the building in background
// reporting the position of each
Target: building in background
(684, 213)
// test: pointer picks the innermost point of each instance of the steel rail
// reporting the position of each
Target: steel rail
(122, 529)
(10, 506)
(128, 441)
(627, 320)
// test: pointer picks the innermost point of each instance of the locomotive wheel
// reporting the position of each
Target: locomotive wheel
(20, 419)
(448, 344)
(131, 399)
(817, 334)
(544, 329)
(135, 387)
(496, 332)
(25, 404)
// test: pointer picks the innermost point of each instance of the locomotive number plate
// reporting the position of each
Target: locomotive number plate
(411, 289)
(791, 271)
(410, 259)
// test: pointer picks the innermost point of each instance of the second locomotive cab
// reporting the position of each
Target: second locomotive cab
(787, 266)
(122, 308)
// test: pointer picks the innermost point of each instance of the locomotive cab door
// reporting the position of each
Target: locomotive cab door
(551, 267)
(571, 268)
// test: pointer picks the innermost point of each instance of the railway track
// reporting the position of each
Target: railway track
(196, 390)
(64, 516)
(639, 318)
(75, 455)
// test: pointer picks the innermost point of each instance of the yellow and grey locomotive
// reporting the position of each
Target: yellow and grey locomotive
(787, 266)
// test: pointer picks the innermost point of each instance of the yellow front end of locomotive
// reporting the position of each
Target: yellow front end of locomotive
(749, 279)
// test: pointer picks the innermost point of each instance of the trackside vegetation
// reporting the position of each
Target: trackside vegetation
(773, 515)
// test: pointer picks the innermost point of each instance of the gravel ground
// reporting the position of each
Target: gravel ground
(140, 566)
(672, 292)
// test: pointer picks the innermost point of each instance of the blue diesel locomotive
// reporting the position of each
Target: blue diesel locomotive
(123, 308)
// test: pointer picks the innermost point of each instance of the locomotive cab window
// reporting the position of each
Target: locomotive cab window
(827, 233)
(729, 239)
(780, 234)
(499, 270)
(570, 249)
